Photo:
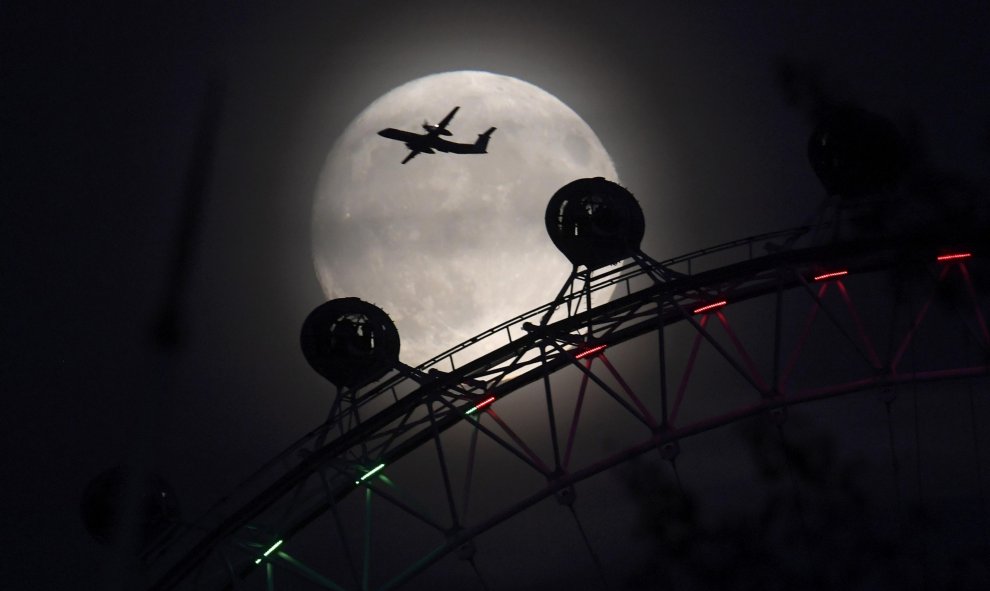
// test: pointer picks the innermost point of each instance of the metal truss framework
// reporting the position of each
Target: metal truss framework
(247, 543)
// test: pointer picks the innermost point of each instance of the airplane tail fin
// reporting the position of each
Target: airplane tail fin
(482, 144)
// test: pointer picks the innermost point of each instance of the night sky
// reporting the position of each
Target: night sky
(99, 111)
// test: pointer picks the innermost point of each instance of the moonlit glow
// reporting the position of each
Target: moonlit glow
(450, 245)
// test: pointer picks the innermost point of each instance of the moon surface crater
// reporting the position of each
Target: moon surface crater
(450, 244)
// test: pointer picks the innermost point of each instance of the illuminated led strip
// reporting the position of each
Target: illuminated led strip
(831, 275)
(710, 307)
(954, 257)
(482, 404)
(589, 352)
(269, 551)
(368, 474)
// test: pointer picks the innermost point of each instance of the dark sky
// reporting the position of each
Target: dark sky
(98, 117)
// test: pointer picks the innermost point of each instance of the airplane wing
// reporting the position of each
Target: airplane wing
(478, 147)
(443, 123)
(411, 155)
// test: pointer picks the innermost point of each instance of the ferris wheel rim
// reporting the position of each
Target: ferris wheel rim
(871, 258)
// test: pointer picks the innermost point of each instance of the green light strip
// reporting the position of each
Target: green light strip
(368, 474)
(481, 405)
(269, 551)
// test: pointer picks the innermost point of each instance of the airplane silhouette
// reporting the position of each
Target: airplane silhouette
(430, 142)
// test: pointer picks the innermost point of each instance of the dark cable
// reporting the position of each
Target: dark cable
(591, 551)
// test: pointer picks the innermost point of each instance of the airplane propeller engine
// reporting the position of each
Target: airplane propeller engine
(436, 129)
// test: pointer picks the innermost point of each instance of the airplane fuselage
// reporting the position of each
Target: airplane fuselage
(431, 142)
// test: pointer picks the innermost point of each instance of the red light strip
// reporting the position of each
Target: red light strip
(710, 307)
(831, 275)
(954, 257)
(590, 352)
(482, 404)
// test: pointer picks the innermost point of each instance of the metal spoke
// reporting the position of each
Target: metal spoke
(528, 460)
(535, 459)
(405, 507)
(754, 372)
(650, 419)
(663, 368)
(863, 336)
(309, 573)
(383, 423)
(550, 414)
(605, 387)
(341, 533)
(909, 337)
(980, 322)
(721, 350)
(470, 473)
(572, 433)
(835, 321)
(688, 369)
(448, 490)
(366, 563)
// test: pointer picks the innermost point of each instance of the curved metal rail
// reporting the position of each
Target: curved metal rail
(413, 408)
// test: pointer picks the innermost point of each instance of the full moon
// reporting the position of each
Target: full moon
(450, 244)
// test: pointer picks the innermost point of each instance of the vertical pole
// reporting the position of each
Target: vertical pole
(663, 365)
(908, 338)
(443, 467)
(550, 413)
(895, 466)
(572, 434)
(755, 378)
(561, 297)
(367, 539)
(477, 572)
(682, 388)
(340, 527)
(777, 334)
(909, 342)
(587, 293)
(235, 582)
(863, 336)
(917, 473)
(591, 551)
(796, 353)
(981, 322)
(979, 473)
(470, 472)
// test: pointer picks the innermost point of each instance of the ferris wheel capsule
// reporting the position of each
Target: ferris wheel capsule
(595, 222)
(105, 501)
(350, 342)
(856, 153)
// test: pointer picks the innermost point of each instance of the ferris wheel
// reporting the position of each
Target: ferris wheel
(415, 468)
